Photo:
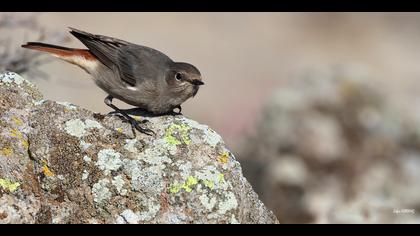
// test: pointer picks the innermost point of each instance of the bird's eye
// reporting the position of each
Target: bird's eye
(178, 76)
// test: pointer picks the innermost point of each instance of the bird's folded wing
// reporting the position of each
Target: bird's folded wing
(135, 63)
(105, 49)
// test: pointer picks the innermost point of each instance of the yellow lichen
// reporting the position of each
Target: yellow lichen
(17, 121)
(175, 188)
(47, 172)
(25, 144)
(191, 182)
(6, 152)
(221, 178)
(119, 130)
(8, 185)
(177, 134)
(187, 185)
(16, 133)
(224, 158)
(209, 184)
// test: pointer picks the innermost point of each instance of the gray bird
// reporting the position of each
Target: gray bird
(138, 75)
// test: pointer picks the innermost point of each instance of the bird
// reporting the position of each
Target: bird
(135, 74)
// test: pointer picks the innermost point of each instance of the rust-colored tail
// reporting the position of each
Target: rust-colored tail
(80, 57)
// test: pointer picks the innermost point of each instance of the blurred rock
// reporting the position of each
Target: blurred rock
(60, 163)
(288, 170)
(332, 149)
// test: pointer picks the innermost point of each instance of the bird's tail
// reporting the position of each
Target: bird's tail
(80, 57)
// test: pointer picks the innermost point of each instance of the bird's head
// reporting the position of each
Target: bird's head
(183, 80)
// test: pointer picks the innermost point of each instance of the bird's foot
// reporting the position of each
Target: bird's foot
(119, 114)
(136, 125)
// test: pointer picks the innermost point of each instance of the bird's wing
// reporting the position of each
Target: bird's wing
(138, 63)
(134, 62)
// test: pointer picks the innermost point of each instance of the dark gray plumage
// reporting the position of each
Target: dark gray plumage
(138, 75)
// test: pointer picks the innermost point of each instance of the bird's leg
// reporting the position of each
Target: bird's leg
(134, 123)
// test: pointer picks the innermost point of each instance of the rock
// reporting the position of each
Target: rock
(60, 163)
(332, 147)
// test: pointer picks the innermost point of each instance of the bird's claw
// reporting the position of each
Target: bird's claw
(142, 121)
(135, 124)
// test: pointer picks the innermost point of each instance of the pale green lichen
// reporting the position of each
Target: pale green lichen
(87, 159)
(11, 77)
(161, 147)
(130, 145)
(85, 175)
(178, 134)
(152, 211)
(60, 177)
(147, 180)
(153, 158)
(9, 185)
(208, 203)
(185, 169)
(65, 213)
(40, 102)
(100, 191)
(67, 105)
(118, 183)
(84, 145)
(79, 128)
(228, 204)
(212, 178)
(129, 216)
(152, 208)
(90, 124)
(149, 207)
(157, 155)
(109, 160)
(209, 137)
(233, 220)
(75, 127)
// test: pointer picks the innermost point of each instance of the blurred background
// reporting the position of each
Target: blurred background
(321, 109)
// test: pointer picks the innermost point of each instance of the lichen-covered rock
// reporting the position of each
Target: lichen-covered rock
(60, 163)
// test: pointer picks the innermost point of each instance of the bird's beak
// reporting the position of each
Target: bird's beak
(197, 82)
